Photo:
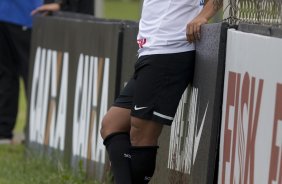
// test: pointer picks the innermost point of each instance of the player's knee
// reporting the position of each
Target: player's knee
(104, 131)
(111, 125)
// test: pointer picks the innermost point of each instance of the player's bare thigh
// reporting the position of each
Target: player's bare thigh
(117, 119)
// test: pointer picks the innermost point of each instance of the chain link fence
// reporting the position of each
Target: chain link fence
(266, 12)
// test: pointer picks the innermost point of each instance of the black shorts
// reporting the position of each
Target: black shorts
(159, 80)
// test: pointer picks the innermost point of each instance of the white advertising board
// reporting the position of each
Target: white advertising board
(251, 131)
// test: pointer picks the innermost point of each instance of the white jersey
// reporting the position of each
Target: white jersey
(162, 28)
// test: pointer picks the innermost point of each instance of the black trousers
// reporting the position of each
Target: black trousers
(14, 56)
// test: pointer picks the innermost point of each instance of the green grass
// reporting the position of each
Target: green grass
(122, 9)
(16, 168)
(21, 118)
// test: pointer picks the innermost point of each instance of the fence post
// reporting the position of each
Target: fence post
(226, 9)
(99, 8)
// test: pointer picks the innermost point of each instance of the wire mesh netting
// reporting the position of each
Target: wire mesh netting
(267, 12)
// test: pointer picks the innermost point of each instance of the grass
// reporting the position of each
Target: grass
(15, 167)
(21, 118)
(122, 9)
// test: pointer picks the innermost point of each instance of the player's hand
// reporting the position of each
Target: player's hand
(193, 29)
(52, 7)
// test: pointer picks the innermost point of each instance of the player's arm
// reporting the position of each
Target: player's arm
(193, 28)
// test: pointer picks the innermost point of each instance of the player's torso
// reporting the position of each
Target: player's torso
(162, 28)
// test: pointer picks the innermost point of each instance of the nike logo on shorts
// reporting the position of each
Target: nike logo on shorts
(139, 108)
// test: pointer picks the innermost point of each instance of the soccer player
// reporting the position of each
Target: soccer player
(131, 127)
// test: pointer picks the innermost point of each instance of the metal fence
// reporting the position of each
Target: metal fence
(266, 12)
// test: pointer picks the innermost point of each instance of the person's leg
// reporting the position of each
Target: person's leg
(9, 82)
(21, 45)
(160, 82)
(144, 136)
(115, 132)
(152, 96)
(117, 119)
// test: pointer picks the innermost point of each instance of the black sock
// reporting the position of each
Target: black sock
(118, 147)
(143, 162)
